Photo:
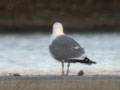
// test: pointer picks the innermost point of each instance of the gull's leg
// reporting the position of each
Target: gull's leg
(68, 69)
(62, 67)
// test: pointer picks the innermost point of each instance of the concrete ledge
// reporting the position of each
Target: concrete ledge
(60, 83)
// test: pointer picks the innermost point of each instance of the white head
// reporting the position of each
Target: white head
(57, 29)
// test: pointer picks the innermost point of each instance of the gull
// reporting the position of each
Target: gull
(65, 49)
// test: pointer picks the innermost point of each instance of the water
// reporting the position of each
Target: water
(28, 54)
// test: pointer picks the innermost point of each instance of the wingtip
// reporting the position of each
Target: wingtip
(90, 61)
(94, 62)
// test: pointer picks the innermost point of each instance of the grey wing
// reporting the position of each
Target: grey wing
(64, 47)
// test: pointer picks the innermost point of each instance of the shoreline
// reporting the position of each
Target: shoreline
(56, 77)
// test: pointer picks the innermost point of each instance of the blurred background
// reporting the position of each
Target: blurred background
(26, 27)
(85, 15)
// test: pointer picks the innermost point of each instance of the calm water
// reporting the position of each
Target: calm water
(28, 54)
